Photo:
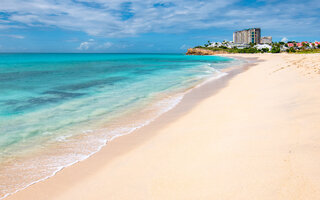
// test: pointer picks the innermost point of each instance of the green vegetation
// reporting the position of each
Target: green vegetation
(305, 44)
(309, 51)
(233, 50)
(206, 45)
(275, 49)
(291, 50)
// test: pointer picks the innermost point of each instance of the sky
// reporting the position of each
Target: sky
(146, 26)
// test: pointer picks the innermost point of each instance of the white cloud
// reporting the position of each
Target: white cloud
(120, 18)
(112, 18)
(84, 46)
(284, 39)
(13, 36)
(106, 45)
(17, 36)
(92, 44)
(8, 26)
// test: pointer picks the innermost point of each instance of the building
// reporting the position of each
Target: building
(215, 44)
(266, 40)
(240, 46)
(247, 36)
(263, 46)
(290, 45)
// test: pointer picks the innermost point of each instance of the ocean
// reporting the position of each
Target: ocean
(58, 109)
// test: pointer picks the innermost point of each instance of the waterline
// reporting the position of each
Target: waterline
(65, 132)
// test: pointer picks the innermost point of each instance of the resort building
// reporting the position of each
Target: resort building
(290, 44)
(299, 44)
(229, 45)
(247, 36)
(266, 40)
(263, 46)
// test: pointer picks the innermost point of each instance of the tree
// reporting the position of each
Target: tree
(291, 50)
(313, 45)
(208, 44)
(275, 44)
(275, 49)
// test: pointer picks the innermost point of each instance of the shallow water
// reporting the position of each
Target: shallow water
(58, 109)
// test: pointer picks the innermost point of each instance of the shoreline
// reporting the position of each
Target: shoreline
(173, 161)
(234, 69)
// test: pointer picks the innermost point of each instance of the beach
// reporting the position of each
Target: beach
(254, 134)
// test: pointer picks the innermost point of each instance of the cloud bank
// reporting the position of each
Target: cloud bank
(122, 18)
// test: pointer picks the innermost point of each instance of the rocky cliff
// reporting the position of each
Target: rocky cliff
(199, 51)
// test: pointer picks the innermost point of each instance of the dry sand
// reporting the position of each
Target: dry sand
(256, 138)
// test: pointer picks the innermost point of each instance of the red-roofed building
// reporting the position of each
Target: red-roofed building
(290, 45)
(299, 44)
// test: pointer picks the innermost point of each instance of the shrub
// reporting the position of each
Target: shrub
(305, 44)
(275, 49)
(291, 50)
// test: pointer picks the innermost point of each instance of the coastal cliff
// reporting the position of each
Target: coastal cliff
(199, 51)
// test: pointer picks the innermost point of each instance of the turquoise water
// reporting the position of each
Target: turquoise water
(57, 109)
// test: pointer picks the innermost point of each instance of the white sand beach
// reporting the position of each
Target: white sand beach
(256, 136)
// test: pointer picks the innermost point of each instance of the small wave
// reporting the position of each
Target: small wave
(161, 106)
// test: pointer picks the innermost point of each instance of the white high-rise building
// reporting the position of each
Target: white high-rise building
(247, 36)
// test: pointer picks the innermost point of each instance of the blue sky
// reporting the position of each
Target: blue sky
(119, 26)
